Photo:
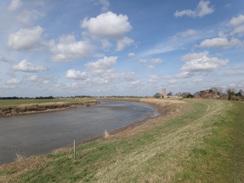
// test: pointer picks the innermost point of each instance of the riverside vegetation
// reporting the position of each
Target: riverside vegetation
(25, 106)
(197, 140)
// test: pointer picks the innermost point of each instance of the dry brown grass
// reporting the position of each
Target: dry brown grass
(106, 134)
(21, 166)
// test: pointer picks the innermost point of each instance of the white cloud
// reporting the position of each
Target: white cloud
(238, 30)
(13, 81)
(122, 43)
(26, 66)
(215, 42)
(151, 67)
(102, 65)
(105, 5)
(68, 49)
(100, 72)
(105, 44)
(201, 10)
(134, 84)
(221, 42)
(32, 78)
(26, 39)
(131, 54)
(28, 16)
(4, 59)
(154, 78)
(184, 34)
(235, 21)
(14, 5)
(107, 25)
(151, 60)
(199, 63)
(238, 24)
(127, 76)
(75, 74)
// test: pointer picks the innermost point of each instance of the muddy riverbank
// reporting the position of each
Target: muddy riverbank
(43, 107)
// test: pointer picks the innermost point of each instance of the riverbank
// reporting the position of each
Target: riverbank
(31, 106)
(195, 141)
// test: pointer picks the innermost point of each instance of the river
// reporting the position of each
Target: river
(41, 133)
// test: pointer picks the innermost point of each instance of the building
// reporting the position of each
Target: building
(164, 92)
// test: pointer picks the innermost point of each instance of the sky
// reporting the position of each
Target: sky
(120, 47)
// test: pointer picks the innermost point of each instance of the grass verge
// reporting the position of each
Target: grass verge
(197, 141)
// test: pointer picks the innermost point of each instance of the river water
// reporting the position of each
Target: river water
(41, 133)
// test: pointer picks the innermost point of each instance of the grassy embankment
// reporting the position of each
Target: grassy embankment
(199, 141)
(21, 106)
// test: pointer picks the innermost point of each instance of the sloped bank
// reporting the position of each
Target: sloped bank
(43, 107)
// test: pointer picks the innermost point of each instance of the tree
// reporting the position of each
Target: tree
(157, 95)
(170, 94)
(187, 95)
(230, 92)
(240, 93)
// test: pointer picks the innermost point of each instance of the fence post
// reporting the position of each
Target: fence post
(74, 149)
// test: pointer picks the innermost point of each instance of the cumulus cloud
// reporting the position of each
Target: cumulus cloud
(102, 65)
(26, 66)
(32, 78)
(238, 24)
(68, 49)
(107, 25)
(123, 43)
(13, 81)
(199, 63)
(14, 5)
(221, 42)
(26, 39)
(235, 21)
(131, 54)
(215, 43)
(238, 30)
(76, 74)
(151, 60)
(100, 72)
(201, 10)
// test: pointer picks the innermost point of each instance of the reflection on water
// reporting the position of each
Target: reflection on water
(41, 133)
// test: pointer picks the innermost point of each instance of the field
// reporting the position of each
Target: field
(196, 141)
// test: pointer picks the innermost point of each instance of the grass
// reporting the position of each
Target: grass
(202, 141)
(17, 102)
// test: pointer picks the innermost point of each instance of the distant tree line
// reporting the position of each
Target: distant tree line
(13, 98)
(49, 97)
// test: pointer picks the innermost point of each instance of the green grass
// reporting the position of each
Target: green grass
(15, 103)
(203, 145)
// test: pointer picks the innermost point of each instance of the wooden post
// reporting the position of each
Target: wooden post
(74, 149)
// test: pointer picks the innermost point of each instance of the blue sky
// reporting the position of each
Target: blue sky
(108, 47)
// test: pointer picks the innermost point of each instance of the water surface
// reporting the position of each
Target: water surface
(41, 133)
